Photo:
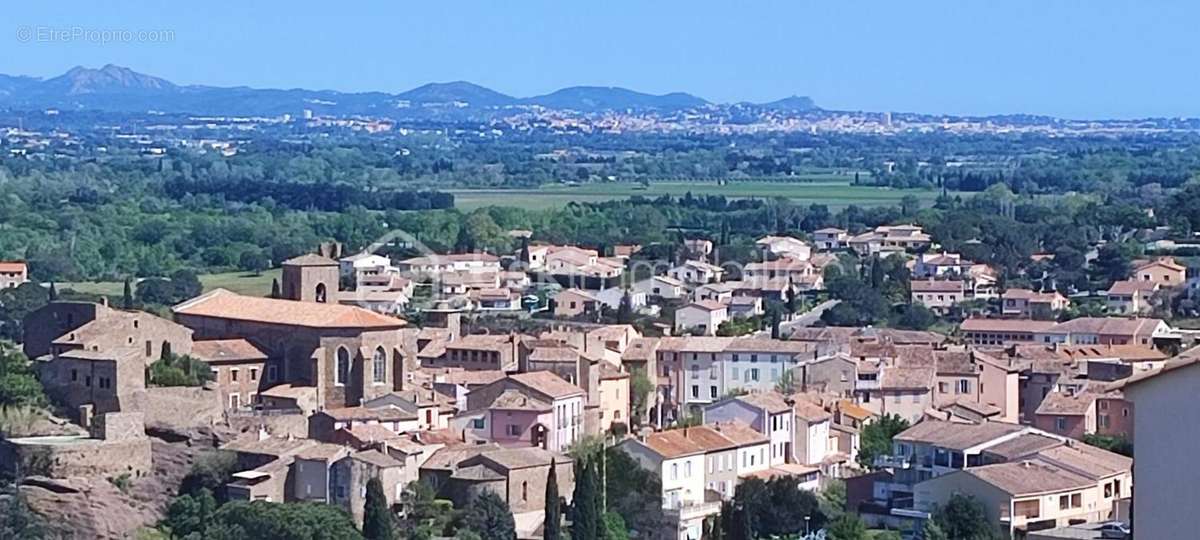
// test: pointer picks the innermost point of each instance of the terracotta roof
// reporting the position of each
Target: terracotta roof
(640, 349)
(853, 410)
(672, 444)
(740, 433)
(810, 412)
(288, 391)
(13, 267)
(1090, 461)
(323, 452)
(772, 402)
(1165, 262)
(522, 458)
(708, 439)
(482, 342)
(310, 259)
(517, 400)
(707, 305)
(1131, 286)
(223, 304)
(554, 354)
(1023, 446)
(369, 433)
(1029, 477)
(1116, 326)
(955, 362)
(1005, 325)
(1062, 404)
(383, 414)
(956, 436)
(547, 383)
(936, 286)
(901, 378)
(226, 350)
(376, 458)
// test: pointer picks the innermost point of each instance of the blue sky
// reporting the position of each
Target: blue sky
(1076, 58)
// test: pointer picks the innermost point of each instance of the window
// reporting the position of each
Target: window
(512, 430)
(1060, 423)
(253, 374)
(695, 371)
(942, 388)
(712, 390)
(754, 374)
(695, 391)
(1108, 490)
(272, 373)
(1064, 502)
(380, 365)
(674, 471)
(477, 423)
(1076, 500)
(687, 469)
(964, 386)
(233, 374)
(524, 491)
(343, 366)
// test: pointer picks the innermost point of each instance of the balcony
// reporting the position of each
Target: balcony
(689, 511)
(893, 462)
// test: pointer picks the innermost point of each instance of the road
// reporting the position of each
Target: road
(803, 320)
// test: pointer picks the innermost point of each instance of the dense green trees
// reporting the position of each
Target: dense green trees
(876, 438)
(489, 517)
(772, 508)
(964, 518)
(178, 370)
(19, 386)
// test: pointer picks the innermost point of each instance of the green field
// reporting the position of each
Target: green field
(239, 282)
(830, 192)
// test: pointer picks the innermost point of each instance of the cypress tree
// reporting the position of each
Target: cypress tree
(275, 293)
(552, 530)
(585, 519)
(53, 292)
(377, 519)
(127, 297)
(625, 309)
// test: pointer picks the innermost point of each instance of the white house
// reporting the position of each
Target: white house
(696, 272)
(679, 463)
(702, 317)
(783, 247)
(831, 238)
(665, 287)
(365, 264)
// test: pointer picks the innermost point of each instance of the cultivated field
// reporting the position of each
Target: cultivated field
(240, 282)
(828, 191)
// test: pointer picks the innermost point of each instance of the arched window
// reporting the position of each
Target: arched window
(320, 292)
(380, 365)
(343, 366)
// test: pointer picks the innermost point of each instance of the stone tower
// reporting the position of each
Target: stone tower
(310, 278)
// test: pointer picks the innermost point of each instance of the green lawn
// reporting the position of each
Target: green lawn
(833, 193)
(240, 282)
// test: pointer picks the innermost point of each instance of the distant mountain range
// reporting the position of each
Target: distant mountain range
(120, 89)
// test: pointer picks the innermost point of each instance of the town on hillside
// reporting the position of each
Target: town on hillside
(816, 383)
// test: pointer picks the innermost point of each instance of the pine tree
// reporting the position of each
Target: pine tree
(377, 518)
(127, 297)
(275, 293)
(552, 530)
(585, 520)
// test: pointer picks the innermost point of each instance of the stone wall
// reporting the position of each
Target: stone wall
(63, 457)
(177, 406)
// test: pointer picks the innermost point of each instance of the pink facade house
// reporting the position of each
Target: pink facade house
(528, 409)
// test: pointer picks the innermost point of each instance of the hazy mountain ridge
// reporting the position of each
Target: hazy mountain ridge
(116, 88)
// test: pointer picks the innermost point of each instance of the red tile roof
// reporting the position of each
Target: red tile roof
(223, 304)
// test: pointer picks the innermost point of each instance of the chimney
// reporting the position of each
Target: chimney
(104, 301)
(262, 433)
